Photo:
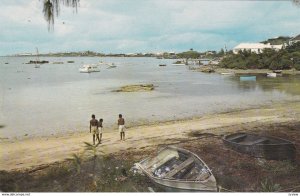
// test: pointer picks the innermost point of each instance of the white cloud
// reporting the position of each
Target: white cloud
(134, 25)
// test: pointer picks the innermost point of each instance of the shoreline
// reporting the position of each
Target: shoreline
(255, 71)
(32, 152)
(142, 123)
(219, 70)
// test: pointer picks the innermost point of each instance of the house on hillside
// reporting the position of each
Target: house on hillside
(255, 47)
(294, 40)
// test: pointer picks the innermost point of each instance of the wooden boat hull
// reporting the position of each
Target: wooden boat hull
(270, 148)
(208, 185)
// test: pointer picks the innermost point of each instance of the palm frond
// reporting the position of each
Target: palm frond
(51, 9)
(296, 2)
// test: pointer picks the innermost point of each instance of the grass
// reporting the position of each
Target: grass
(269, 186)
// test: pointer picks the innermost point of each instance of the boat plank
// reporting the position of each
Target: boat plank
(261, 140)
(237, 137)
(184, 164)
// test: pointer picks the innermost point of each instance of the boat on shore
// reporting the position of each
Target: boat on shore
(272, 75)
(271, 148)
(178, 169)
(89, 68)
(247, 78)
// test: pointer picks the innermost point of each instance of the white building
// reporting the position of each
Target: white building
(255, 47)
(294, 40)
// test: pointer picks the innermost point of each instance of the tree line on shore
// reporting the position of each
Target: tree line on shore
(287, 58)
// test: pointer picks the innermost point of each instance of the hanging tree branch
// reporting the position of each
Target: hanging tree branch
(51, 9)
(296, 2)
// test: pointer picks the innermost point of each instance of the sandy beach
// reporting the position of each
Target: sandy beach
(34, 152)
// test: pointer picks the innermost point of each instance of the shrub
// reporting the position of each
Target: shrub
(269, 186)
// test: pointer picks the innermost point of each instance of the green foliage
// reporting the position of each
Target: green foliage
(280, 167)
(76, 160)
(297, 66)
(92, 148)
(269, 186)
(269, 59)
(189, 54)
(277, 41)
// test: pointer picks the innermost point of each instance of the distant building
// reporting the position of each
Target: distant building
(255, 47)
(294, 40)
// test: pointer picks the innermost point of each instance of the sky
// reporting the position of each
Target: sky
(129, 26)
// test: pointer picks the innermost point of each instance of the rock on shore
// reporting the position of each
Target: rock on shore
(136, 88)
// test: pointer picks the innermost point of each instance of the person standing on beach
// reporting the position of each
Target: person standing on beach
(100, 127)
(94, 128)
(121, 124)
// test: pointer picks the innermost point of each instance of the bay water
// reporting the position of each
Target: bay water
(57, 98)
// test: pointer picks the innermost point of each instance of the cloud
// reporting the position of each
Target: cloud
(150, 25)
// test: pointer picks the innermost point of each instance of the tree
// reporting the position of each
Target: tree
(51, 9)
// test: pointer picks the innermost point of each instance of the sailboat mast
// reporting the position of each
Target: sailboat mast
(37, 52)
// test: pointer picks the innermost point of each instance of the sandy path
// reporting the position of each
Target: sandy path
(37, 151)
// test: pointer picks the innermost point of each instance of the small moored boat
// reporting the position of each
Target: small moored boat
(272, 75)
(247, 78)
(261, 146)
(177, 168)
(227, 73)
(89, 69)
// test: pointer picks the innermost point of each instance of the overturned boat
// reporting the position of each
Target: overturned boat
(178, 168)
(266, 147)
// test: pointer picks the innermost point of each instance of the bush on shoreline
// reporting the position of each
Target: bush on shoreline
(287, 58)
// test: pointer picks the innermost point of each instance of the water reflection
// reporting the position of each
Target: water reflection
(289, 84)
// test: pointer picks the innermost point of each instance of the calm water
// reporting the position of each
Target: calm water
(57, 98)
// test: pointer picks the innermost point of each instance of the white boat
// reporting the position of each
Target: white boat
(177, 168)
(89, 68)
(227, 73)
(272, 75)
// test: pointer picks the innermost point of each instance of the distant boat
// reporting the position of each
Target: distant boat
(227, 73)
(162, 65)
(272, 75)
(261, 146)
(111, 66)
(89, 68)
(70, 61)
(37, 62)
(247, 78)
(177, 168)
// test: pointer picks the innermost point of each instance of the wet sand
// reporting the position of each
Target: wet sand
(33, 152)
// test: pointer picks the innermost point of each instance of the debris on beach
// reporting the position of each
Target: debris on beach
(136, 88)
